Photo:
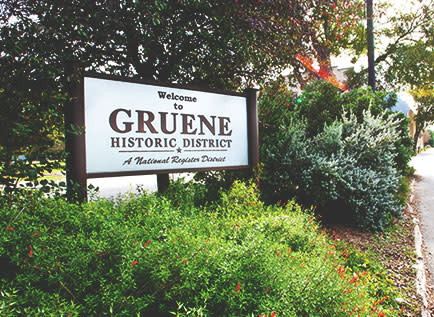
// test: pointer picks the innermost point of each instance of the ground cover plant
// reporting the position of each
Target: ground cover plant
(170, 255)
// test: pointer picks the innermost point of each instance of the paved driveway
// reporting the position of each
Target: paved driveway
(424, 193)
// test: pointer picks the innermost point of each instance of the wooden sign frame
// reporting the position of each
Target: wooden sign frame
(75, 126)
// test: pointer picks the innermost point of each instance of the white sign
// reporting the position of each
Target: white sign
(137, 127)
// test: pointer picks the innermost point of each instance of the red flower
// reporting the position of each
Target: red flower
(266, 290)
(31, 248)
(134, 263)
(43, 249)
(185, 261)
(147, 243)
(238, 288)
(273, 314)
(383, 299)
(36, 234)
(10, 229)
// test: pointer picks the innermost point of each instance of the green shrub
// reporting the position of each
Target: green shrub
(346, 170)
(148, 255)
(322, 104)
(188, 194)
(318, 107)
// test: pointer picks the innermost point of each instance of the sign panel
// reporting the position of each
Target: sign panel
(134, 127)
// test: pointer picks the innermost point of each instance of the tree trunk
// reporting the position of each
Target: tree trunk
(416, 137)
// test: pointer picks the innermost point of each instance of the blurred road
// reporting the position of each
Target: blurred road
(424, 193)
(113, 186)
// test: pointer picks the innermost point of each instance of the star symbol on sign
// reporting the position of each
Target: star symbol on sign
(179, 150)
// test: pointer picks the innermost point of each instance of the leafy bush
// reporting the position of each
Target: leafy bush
(346, 170)
(322, 104)
(319, 106)
(188, 194)
(145, 254)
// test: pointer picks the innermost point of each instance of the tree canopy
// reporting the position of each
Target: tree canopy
(424, 97)
(219, 43)
(409, 57)
(404, 46)
(408, 61)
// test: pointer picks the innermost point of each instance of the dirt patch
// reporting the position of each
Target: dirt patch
(395, 249)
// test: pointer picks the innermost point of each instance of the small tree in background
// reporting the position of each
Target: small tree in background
(425, 110)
